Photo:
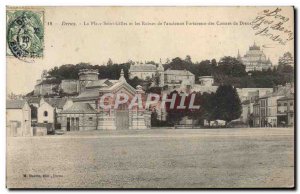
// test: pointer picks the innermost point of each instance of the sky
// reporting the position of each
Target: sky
(69, 41)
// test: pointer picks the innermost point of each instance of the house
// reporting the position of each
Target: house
(206, 80)
(249, 97)
(252, 93)
(142, 71)
(18, 118)
(268, 104)
(147, 71)
(268, 110)
(174, 78)
(79, 117)
(206, 85)
(285, 110)
(45, 112)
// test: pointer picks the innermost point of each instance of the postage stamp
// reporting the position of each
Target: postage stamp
(25, 34)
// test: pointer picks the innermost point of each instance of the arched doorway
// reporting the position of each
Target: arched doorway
(122, 117)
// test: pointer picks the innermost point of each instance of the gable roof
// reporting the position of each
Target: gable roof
(99, 83)
(117, 86)
(34, 100)
(142, 67)
(80, 108)
(92, 93)
(283, 91)
(289, 97)
(56, 102)
(88, 94)
(15, 104)
(178, 72)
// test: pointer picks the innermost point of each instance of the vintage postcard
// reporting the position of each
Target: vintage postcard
(150, 97)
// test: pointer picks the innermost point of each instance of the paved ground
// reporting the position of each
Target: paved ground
(154, 159)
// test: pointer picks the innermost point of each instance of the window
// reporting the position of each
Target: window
(45, 121)
(90, 118)
(45, 113)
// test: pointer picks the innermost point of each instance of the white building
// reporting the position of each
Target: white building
(18, 118)
(179, 78)
(45, 112)
(142, 71)
(206, 80)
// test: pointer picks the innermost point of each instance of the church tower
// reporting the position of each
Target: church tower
(161, 74)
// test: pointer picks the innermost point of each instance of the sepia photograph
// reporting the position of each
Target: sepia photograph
(150, 97)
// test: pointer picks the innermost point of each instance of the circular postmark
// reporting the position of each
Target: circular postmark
(25, 35)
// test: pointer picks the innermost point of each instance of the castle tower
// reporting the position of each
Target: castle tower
(161, 73)
(85, 76)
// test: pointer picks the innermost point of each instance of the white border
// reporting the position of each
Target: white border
(3, 4)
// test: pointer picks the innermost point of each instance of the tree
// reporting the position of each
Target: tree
(228, 104)
(188, 59)
(214, 62)
(286, 59)
(178, 64)
(33, 112)
(154, 120)
(285, 63)
(110, 62)
(167, 61)
(174, 115)
(208, 106)
(231, 67)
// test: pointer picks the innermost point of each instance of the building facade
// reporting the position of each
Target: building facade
(285, 111)
(45, 112)
(86, 113)
(206, 80)
(18, 118)
(142, 71)
(268, 105)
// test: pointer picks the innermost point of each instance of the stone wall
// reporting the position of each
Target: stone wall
(69, 86)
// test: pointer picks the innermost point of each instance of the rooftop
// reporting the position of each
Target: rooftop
(100, 83)
(178, 72)
(142, 67)
(282, 91)
(88, 93)
(56, 102)
(81, 108)
(15, 104)
(289, 97)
